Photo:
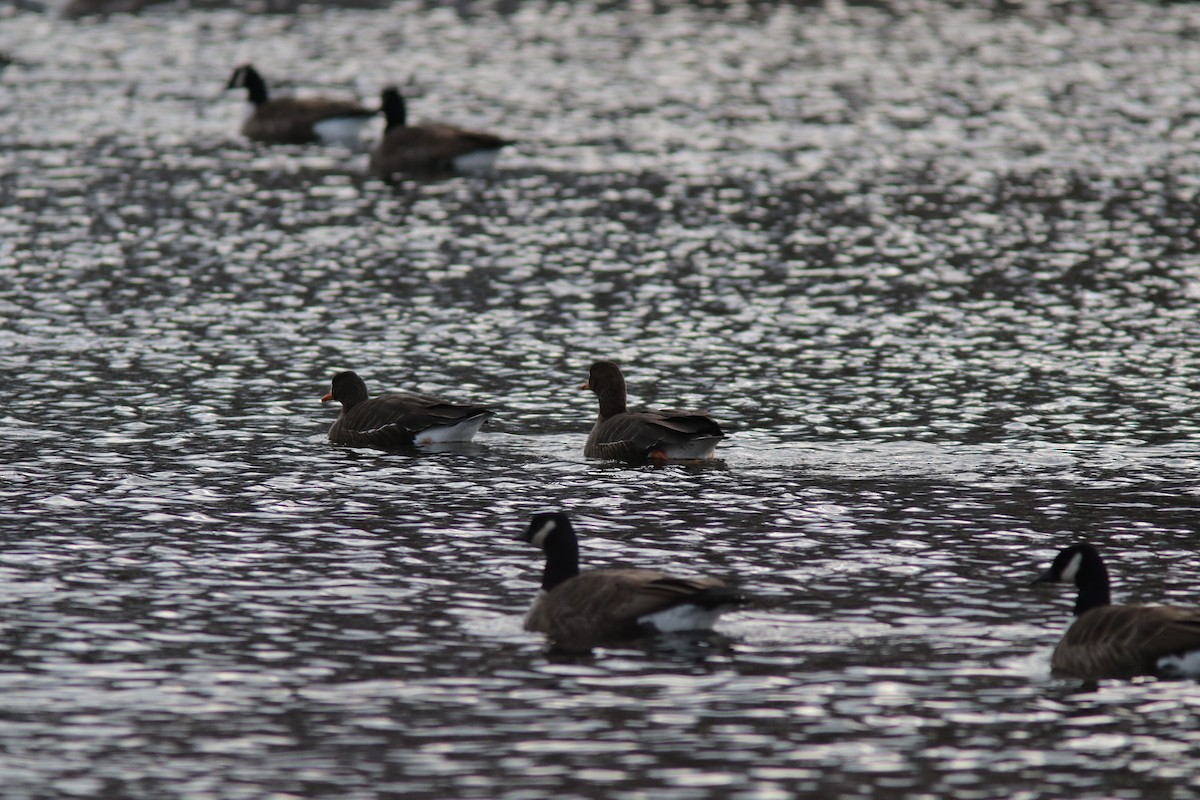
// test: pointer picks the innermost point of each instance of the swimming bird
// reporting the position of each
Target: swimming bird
(398, 420)
(638, 436)
(431, 149)
(581, 608)
(297, 120)
(1120, 641)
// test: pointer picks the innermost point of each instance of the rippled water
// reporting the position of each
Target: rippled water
(935, 269)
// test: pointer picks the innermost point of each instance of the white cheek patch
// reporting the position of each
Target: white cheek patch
(1072, 569)
(539, 538)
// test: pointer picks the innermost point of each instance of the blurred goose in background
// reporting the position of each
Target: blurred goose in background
(1119, 641)
(297, 120)
(431, 149)
(398, 420)
(638, 436)
(582, 608)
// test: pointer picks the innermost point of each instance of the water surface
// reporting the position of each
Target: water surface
(935, 270)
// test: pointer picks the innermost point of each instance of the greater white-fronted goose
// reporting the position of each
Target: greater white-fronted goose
(297, 120)
(639, 436)
(430, 149)
(578, 609)
(1120, 641)
(398, 420)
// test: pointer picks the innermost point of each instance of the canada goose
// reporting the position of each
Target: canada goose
(429, 149)
(579, 608)
(296, 120)
(637, 436)
(398, 420)
(1120, 641)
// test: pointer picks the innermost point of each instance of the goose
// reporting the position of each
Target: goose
(398, 420)
(1119, 641)
(580, 608)
(432, 148)
(639, 436)
(295, 120)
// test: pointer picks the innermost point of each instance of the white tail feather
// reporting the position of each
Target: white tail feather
(1183, 665)
(476, 161)
(461, 431)
(341, 130)
(684, 617)
(693, 450)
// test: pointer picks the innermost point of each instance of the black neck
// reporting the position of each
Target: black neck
(1093, 587)
(1092, 582)
(562, 559)
(256, 87)
(395, 110)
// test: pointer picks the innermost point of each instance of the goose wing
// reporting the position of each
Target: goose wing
(688, 424)
(396, 419)
(428, 148)
(1126, 640)
(290, 120)
(607, 604)
(635, 435)
(468, 140)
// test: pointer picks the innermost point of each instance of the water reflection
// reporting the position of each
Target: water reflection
(934, 268)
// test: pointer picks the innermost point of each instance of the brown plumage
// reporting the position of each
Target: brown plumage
(580, 609)
(295, 120)
(433, 148)
(639, 436)
(1119, 641)
(398, 420)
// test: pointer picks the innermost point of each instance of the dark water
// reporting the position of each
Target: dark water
(936, 270)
